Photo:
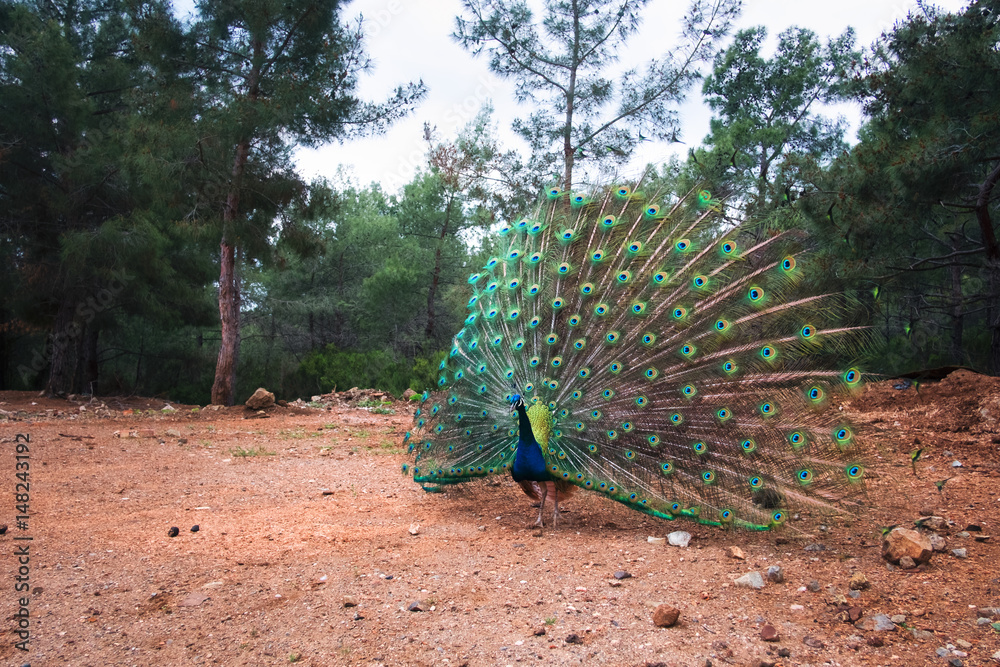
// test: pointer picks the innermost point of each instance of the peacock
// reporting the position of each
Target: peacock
(656, 352)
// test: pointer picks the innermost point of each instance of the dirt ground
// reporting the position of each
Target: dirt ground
(305, 551)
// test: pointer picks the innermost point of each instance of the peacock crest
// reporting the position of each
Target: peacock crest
(672, 361)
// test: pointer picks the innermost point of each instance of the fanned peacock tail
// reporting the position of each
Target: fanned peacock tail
(684, 364)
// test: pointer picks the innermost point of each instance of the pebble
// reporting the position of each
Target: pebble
(679, 538)
(906, 563)
(859, 582)
(963, 535)
(665, 616)
(813, 586)
(417, 605)
(982, 621)
(174, 531)
(539, 631)
(655, 540)
(938, 543)
(622, 574)
(350, 601)
(769, 633)
(942, 652)
(963, 644)
(875, 641)
(414, 529)
(775, 574)
(898, 618)
(358, 617)
(751, 580)
(735, 552)
(815, 546)
(784, 652)
(812, 642)
(955, 662)
(877, 623)
(195, 528)
(573, 639)
(956, 464)
(959, 553)
(923, 635)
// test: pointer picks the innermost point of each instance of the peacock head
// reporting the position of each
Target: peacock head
(516, 401)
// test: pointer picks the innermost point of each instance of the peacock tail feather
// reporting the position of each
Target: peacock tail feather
(672, 361)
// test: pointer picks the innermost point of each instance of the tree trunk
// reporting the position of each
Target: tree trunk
(229, 315)
(61, 344)
(957, 316)
(992, 262)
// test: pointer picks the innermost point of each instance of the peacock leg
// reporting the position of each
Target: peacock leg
(555, 505)
(541, 505)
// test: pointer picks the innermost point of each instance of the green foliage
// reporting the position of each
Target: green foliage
(561, 61)
(331, 369)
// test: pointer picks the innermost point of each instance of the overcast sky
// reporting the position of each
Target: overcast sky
(410, 40)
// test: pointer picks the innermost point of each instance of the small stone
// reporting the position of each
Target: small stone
(769, 633)
(665, 616)
(875, 640)
(351, 601)
(974, 528)
(813, 586)
(923, 635)
(898, 618)
(938, 543)
(751, 580)
(964, 535)
(815, 546)
(955, 662)
(812, 642)
(679, 538)
(906, 563)
(3, 529)
(622, 574)
(959, 553)
(926, 511)
(933, 523)
(784, 652)
(942, 652)
(414, 529)
(358, 617)
(655, 540)
(956, 464)
(417, 605)
(539, 631)
(877, 623)
(996, 656)
(854, 614)
(174, 531)
(901, 542)
(195, 528)
(173, 433)
(775, 574)
(859, 582)
(735, 552)
(573, 639)
(981, 621)
(537, 532)
(981, 538)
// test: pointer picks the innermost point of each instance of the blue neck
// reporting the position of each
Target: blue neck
(528, 461)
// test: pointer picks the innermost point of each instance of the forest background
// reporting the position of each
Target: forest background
(159, 239)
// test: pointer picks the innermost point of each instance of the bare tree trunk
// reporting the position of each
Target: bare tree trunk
(61, 358)
(229, 315)
(957, 315)
(992, 263)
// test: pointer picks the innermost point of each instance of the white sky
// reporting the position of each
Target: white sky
(410, 40)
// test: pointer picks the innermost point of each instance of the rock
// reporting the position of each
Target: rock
(959, 553)
(775, 574)
(859, 582)
(906, 563)
(679, 538)
(923, 635)
(539, 631)
(751, 580)
(813, 586)
(193, 599)
(812, 642)
(769, 633)
(956, 464)
(938, 543)
(283, 403)
(573, 639)
(416, 605)
(414, 529)
(901, 542)
(408, 394)
(784, 652)
(877, 623)
(974, 528)
(815, 546)
(351, 601)
(195, 528)
(875, 640)
(622, 574)
(665, 616)
(655, 540)
(173, 433)
(174, 531)
(898, 618)
(261, 399)
(735, 552)
(933, 523)
(989, 611)
(955, 662)
(854, 614)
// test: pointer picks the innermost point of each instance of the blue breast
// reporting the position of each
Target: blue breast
(529, 465)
